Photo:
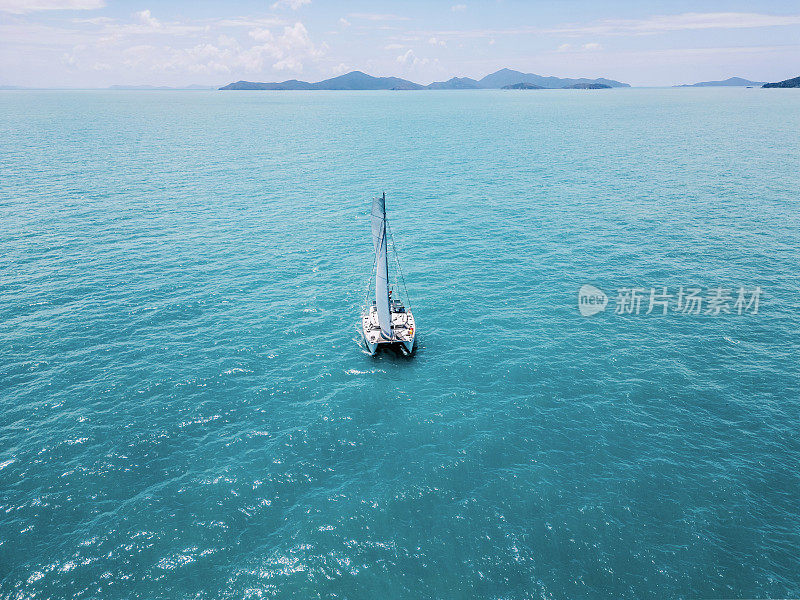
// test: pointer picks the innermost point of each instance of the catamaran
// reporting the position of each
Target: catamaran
(386, 321)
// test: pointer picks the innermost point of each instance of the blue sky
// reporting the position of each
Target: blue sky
(96, 43)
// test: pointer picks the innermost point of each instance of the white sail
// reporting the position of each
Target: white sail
(381, 265)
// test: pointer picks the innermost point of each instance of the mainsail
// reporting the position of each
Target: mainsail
(381, 265)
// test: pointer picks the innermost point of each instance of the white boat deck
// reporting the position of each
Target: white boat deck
(403, 327)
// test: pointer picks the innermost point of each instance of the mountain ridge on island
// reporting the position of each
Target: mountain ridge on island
(504, 77)
(456, 83)
(730, 82)
(794, 82)
(357, 80)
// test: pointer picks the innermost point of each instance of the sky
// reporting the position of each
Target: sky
(98, 43)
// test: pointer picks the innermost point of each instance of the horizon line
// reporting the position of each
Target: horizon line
(217, 87)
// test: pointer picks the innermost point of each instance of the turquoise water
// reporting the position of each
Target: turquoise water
(187, 411)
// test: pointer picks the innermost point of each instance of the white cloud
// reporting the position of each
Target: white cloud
(293, 4)
(146, 24)
(295, 39)
(292, 49)
(26, 6)
(226, 41)
(344, 22)
(140, 50)
(145, 17)
(434, 41)
(589, 47)
(648, 26)
(289, 63)
(409, 59)
(393, 47)
(458, 7)
(95, 20)
(377, 17)
(249, 22)
(684, 21)
(261, 35)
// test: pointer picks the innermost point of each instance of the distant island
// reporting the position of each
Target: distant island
(587, 86)
(574, 86)
(506, 79)
(522, 86)
(456, 83)
(730, 82)
(356, 80)
(786, 83)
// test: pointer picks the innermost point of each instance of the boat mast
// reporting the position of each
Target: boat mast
(379, 242)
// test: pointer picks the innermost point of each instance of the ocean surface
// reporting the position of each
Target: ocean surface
(187, 410)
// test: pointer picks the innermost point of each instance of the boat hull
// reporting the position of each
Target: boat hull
(403, 333)
(405, 347)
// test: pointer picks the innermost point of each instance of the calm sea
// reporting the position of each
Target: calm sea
(187, 411)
